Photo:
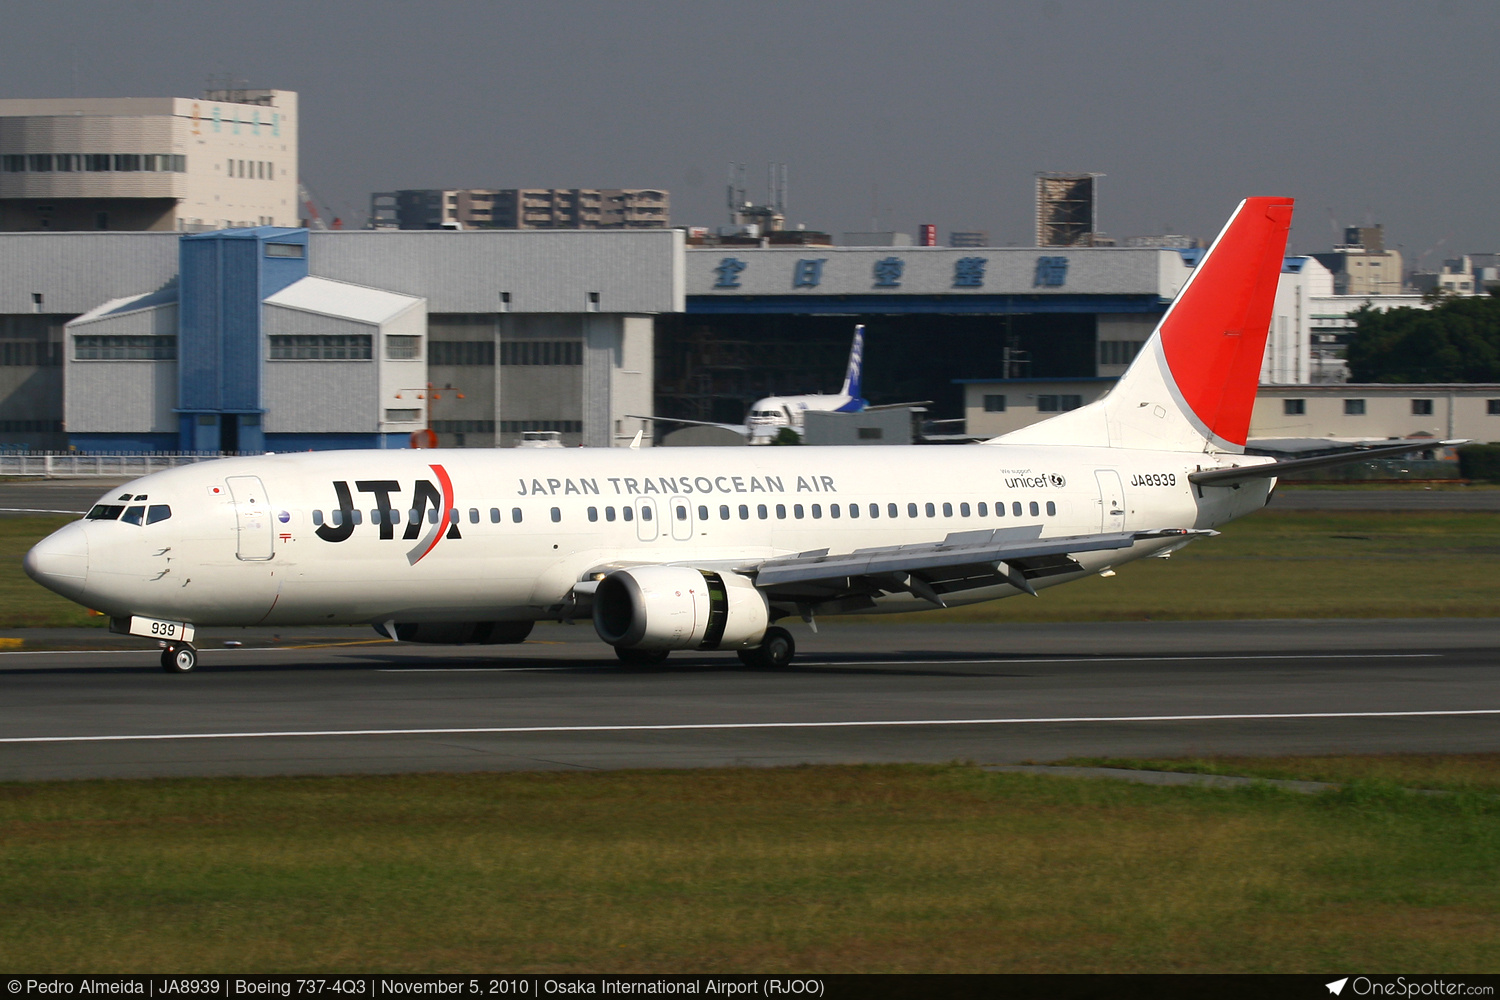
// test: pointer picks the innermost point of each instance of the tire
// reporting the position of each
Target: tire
(775, 652)
(642, 657)
(179, 659)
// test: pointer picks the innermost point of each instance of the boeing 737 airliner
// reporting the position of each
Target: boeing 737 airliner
(703, 549)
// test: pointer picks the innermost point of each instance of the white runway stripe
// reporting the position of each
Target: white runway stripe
(727, 726)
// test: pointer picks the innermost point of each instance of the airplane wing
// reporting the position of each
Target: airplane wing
(899, 406)
(965, 560)
(740, 428)
(1235, 476)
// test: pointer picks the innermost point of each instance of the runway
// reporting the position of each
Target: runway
(336, 702)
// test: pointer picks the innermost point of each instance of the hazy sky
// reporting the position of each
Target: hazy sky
(887, 113)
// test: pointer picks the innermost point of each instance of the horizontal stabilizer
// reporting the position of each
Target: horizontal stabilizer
(1231, 477)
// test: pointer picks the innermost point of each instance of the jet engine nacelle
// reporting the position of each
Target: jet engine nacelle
(678, 607)
(457, 633)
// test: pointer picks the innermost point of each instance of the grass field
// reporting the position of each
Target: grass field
(1357, 564)
(825, 869)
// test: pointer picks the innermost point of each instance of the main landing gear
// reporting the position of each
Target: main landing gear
(775, 651)
(178, 658)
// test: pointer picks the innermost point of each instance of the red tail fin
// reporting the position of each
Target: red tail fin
(1214, 335)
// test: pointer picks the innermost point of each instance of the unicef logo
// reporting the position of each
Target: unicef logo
(1056, 480)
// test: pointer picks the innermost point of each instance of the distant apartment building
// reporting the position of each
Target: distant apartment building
(1362, 265)
(225, 160)
(521, 208)
(1459, 276)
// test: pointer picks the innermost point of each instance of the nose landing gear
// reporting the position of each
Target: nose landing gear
(178, 658)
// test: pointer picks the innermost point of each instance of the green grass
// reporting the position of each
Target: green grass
(827, 869)
(1272, 564)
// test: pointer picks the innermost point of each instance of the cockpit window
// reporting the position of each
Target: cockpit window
(105, 512)
(158, 512)
(134, 515)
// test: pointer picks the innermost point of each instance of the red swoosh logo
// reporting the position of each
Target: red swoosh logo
(446, 519)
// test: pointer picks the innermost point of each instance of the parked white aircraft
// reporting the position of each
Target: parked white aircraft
(702, 548)
(767, 416)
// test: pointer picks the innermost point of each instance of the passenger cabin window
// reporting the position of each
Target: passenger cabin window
(628, 513)
(1035, 510)
(1015, 508)
(593, 513)
(833, 510)
(645, 513)
(515, 515)
(760, 511)
(609, 513)
(947, 510)
(891, 510)
(702, 512)
(556, 515)
(911, 510)
(932, 510)
(854, 510)
(817, 511)
(1051, 509)
(798, 510)
(494, 515)
(744, 512)
(317, 518)
(984, 509)
(723, 512)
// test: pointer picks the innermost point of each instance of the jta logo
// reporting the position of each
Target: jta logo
(432, 504)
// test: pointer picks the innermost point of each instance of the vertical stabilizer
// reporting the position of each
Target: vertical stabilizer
(1192, 386)
(852, 375)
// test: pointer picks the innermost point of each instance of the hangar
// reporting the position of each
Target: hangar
(278, 338)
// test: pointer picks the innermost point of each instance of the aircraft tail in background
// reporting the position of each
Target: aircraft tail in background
(852, 374)
(1192, 386)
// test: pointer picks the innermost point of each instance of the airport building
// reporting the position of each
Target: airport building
(228, 159)
(283, 339)
(278, 338)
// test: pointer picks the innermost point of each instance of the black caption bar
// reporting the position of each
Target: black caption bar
(799, 987)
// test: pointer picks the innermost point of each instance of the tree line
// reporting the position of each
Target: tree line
(1457, 340)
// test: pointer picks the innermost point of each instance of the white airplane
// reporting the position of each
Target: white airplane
(703, 549)
(766, 417)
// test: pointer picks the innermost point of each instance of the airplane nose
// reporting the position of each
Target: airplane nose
(60, 561)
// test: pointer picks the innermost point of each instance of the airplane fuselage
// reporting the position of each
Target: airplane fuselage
(370, 536)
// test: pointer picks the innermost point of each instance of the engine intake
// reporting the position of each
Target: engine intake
(678, 607)
(458, 633)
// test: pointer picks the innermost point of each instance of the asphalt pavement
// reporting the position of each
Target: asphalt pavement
(342, 701)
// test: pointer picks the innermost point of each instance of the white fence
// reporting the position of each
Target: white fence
(66, 465)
